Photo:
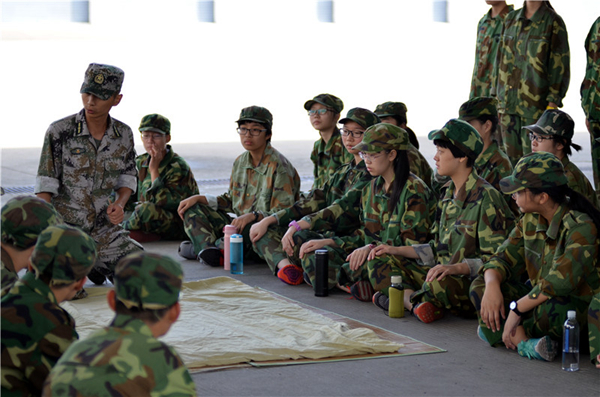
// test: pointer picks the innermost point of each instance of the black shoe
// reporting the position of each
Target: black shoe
(96, 277)
(381, 301)
(186, 250)
(211, 256)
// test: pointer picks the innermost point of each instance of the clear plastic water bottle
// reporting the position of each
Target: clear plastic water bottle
(570, 357)
(236, 254)
(228, 230)
(396, 294)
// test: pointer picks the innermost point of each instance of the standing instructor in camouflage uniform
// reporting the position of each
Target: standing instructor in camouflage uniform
(86, 157)
(532, 71)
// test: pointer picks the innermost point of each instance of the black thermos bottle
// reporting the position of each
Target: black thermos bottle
(322, 273)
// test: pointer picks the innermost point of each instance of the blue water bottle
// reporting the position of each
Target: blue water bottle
(236, 253)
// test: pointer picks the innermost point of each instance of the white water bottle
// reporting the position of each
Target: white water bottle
(570, 356)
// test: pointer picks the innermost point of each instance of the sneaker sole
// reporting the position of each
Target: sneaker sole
(546, 348)
(291, 275)
(427, 312)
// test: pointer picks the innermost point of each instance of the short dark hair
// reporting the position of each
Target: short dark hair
(491, 117)
(456, 152)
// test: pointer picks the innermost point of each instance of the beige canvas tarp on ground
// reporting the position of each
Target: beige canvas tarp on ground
(226, 322)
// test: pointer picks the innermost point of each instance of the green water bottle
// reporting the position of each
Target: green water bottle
(396, 293)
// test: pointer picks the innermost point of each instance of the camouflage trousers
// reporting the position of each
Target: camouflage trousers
(514, 138)
(451, 293)
(204, 227)
(149, 218)
(595, 133)
(413, 275)
(377, 271)
(269, 247)
(594, 327)
(112, 243)
(546, 319)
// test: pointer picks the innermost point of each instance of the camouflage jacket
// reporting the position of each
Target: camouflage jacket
(268, 188)
(327, 157)
(469, 227)
(419, 165)
(579, 182)
(175, 182)
(36, 331)
(533, 63)
(7, 272)
(123, 359)
(559, 257)
(408, 224)
(590, 91)
(348, 179)
(489, 33)
(80, 177)
(492, 165)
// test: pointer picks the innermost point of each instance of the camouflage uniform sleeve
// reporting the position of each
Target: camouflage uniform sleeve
(575, 257)
(509, 258)
(176, 183)
(128, 176)
(314, 202)
(559, 72)
(590, 92)
(49, 172)
(417, 216)
(286, 188)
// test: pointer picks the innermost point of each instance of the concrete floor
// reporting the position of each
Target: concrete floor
(469, 367)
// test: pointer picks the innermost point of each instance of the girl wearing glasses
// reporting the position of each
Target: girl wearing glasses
(396, 209)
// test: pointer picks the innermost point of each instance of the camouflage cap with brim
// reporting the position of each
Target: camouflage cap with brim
(102, 81)
(554, 122)
(257, 114)
(365, 118)
(327, 100)
(535, 170)
(462, 135)
(148, 281)
(155, 123)
(24, 218)
(390, 109)
(478, 107)
(383, 136)
(65, 253)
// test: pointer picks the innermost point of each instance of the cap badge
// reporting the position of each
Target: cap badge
(99, 79)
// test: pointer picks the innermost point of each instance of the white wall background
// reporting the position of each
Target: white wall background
(272, 53)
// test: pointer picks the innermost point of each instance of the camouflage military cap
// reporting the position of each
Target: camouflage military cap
(538, 170)
(148, 281)
(477, 107)
(390, 109)
(155, 123)
(365, 118)
(257, 114)
(102, 81)
(327, 100)
(383, 136)
(24, 218)
(462, 135)
(554, 122)
(64, 252)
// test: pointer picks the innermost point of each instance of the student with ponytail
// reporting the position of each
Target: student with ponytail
(546, 267)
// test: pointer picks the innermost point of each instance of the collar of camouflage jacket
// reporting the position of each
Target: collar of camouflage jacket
(130, 324)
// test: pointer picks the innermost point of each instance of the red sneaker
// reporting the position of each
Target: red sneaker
(291, 274)
(427, 312)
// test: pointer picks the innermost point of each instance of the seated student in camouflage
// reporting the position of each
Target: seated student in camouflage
(164, 179)
(344, 184)
(553, 133)
(23, 219)
(472, 220)
(328, 152)
(126, 358)
(36, 331)
(86, 159)
(262, 182)
(555, 247)
(395, 209)
(395, 113)
(594, 329)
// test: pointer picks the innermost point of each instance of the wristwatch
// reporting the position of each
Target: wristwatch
(514, 308)
(255, 213)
